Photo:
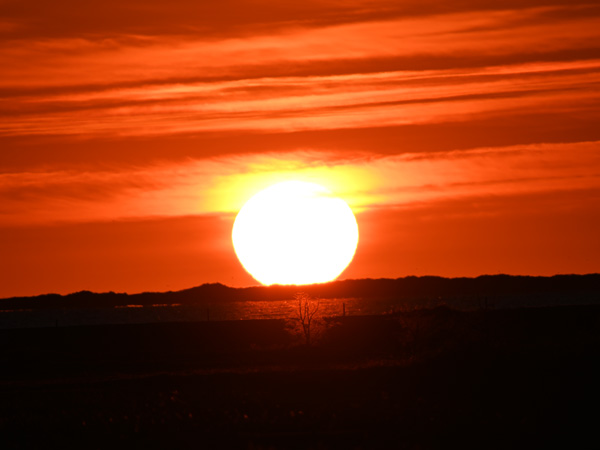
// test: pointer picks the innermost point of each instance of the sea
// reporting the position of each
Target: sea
(273, 309)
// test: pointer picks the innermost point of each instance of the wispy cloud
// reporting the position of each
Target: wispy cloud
(297, 103)
(110, 59)
(140, 85)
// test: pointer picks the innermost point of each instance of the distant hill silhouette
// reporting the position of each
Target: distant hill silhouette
(401, 288)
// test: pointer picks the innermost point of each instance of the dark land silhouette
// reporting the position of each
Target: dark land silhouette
(490, 286)
(414, 378)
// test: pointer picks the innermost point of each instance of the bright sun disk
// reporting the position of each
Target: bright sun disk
(295, 233)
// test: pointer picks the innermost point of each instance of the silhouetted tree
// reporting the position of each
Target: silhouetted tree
(306, 315)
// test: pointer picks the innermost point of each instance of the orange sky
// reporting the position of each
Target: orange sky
(463, 134)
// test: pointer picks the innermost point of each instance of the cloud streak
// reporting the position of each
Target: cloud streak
(248, 99)
(300, 103)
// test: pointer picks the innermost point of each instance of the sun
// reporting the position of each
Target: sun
(295, 233)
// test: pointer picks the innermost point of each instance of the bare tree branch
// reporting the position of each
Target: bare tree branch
(307, 308)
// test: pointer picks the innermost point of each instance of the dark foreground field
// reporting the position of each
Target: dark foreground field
(418, 380)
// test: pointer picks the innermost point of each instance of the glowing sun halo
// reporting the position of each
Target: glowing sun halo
(295, 233)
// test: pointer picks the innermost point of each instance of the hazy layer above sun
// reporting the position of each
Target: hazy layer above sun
(295, 233)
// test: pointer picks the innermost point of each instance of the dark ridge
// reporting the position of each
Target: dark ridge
(400, 288)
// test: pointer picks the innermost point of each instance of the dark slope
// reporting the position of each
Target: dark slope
(401, 288)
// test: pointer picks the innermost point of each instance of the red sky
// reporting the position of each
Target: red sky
(463, 134)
